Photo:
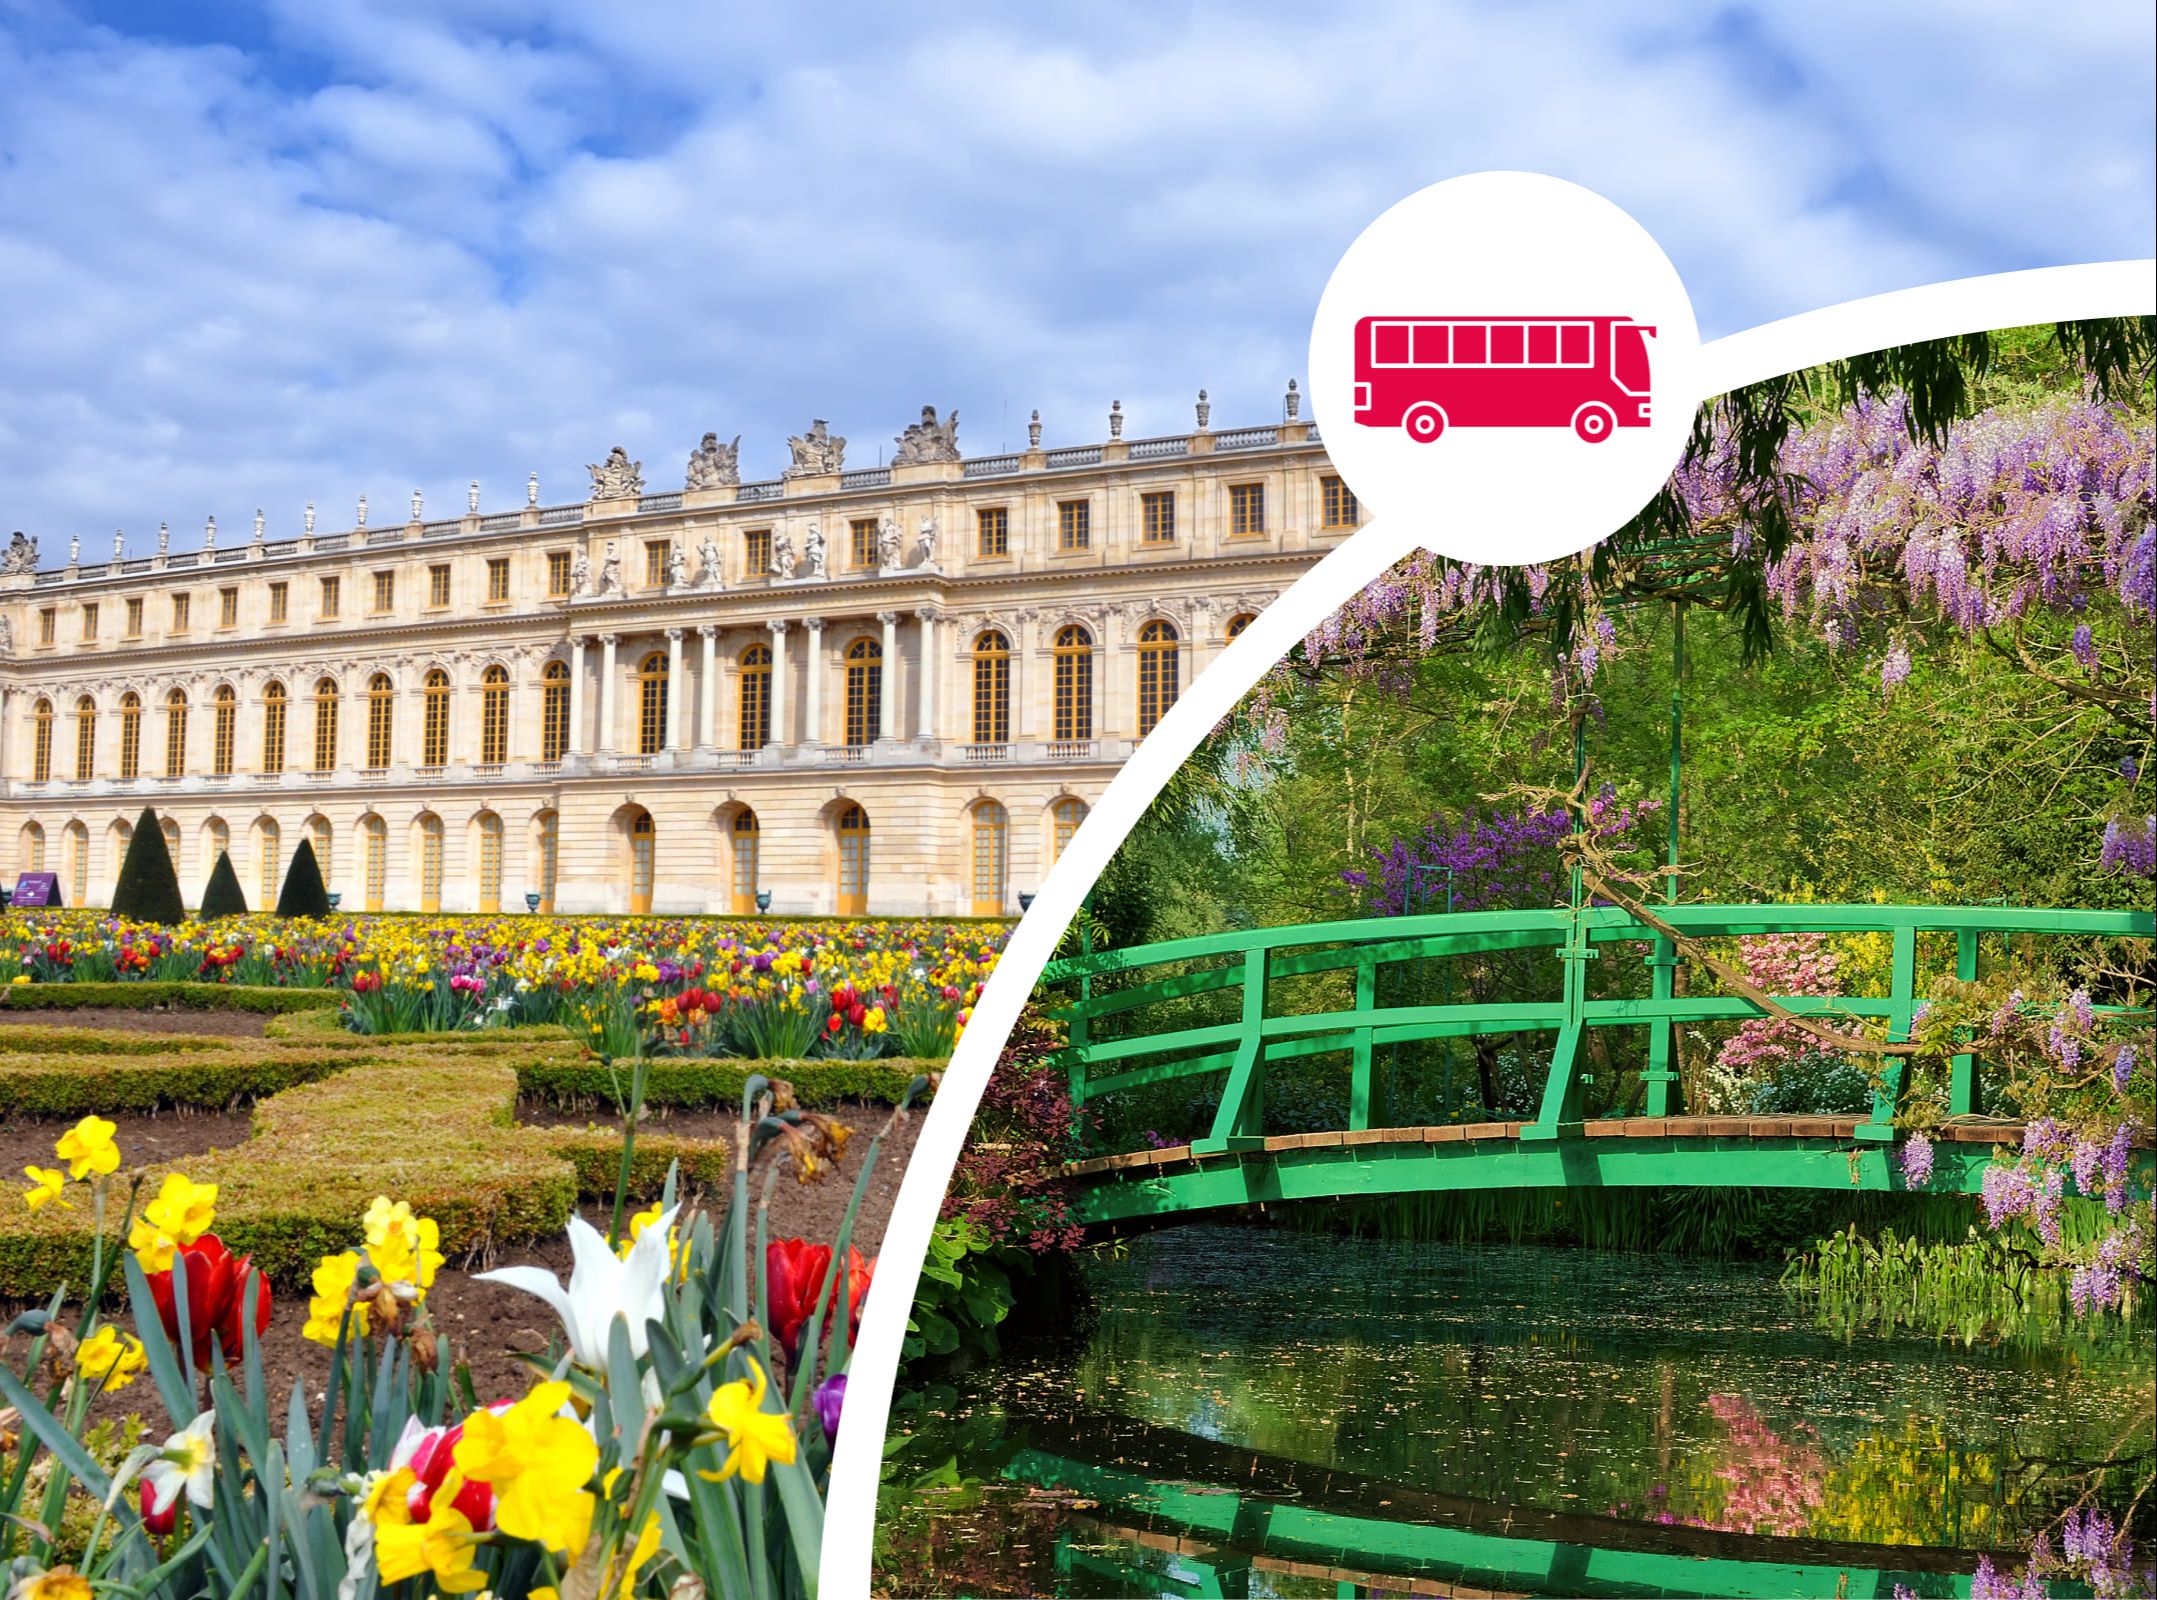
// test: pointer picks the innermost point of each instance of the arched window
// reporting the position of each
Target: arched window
(78, 864)
(33, 847)
(755, 698)
(85, 742)
(41, 744)
(643, 861)
(853, 861)
(550, 841)
(1157, 663)
(652, 704)
(992, 858)
(490, 861)
(864, 690)
(318, 833)
(224, 722)
(1064, 819)
(171, 830)
(1240, 621)
(269, 853)
(746, 838)
(494, 716)
(430, 862)
(218, 837)
(176, 733)
(1073, 656)
(123, 835)
(434, 719)
(325, 727)
(554, 711)
(374, 859)
(274, 704)
(381, 721)
(992, 689)
(130, 736)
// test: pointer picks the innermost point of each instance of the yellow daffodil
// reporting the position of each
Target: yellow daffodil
(333, 1280)
(444, 1546)
(110, 1359)
(754, 1436)
(386, 1501)
(61, 1583)
(87, 1147)
(45, 1185)
(540, 1464)
(401, 1247)
(183, 1208)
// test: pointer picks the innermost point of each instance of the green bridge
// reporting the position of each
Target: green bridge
(1314, 991)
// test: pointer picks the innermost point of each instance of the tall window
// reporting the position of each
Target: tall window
(558, 568)
(1337, 506)
(224, 723)
(269, 843)
(434, 719)
(1246, 509)
(490, 861)
(171, 830)
(228, 608)
(182, 608)
(85, 741)
(657, 552)
(494, 715)
(550, 842)
(134, 617)
(652, 703)
(864, 690)
(498, 580)
(33, 847)
(992, 689)
(853, 861)
(1074, 524)
(318, 833)
(430, 862)
(992, 858)
(755, 698)
(332, 598)
(89, 622)
(438, 586)
(1157, 517)
(385, 592)
(374, 859)
(381, 720)
(1064, 819)
(41, 746)
(861, 543)
(992, 531)
(280, 601)
(78, 863)
(130, 736)
(756, 552)
(554, 711)
(1072, 654)
(746, 839)
(325, 726)
(218, 837)
(175, 733)
(48, 625)
(643, 861)
(1157, 664)
(274, 705)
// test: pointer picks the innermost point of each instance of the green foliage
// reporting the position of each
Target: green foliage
(964, 1293)
(1818, 1083)
(1979, 1285)
(148, 889)
(168, 994)
(303, 894)
(690, 1082)
(222, 895)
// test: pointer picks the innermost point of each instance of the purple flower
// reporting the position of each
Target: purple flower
(830, 1398)
(1917, 1161)
(2128, 769)
(2084, 646)
(1894, 669)
(2129, 848)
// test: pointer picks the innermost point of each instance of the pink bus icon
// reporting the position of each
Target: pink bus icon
(1427, 374)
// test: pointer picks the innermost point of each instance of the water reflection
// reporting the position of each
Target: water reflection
(1623, 1407)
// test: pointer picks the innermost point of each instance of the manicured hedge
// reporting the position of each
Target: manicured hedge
(695, 1084)
(147, 996)
(596, 1153)
(42, 1038)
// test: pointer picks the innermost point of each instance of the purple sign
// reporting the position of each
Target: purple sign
(37, 889)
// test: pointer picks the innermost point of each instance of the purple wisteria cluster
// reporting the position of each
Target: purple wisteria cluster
(2092, 1552)
(1503, 860)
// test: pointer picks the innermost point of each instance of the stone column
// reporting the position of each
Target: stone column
(607, 675)
(778, 682)
(812, 720)
(887, 696)
(1023, 675)
(577, 746)
(708, 689)
(677, 688)
(925, 694)
(1110, 667)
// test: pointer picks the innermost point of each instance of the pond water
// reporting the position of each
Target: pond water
(1257, 1411)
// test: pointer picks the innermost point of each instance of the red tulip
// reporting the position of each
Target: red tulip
(794, 1272)
(162, 1522)
(216, 1298)
(859, 1275)
(431, 1459)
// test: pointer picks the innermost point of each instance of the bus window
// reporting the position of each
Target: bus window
(1505, 345)
(1577, 349)
(1542, 345)
(1389, 344)
(1629, 361)
(1468, 344)
(1430, 344)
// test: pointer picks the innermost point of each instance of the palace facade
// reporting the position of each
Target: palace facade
(889, 691)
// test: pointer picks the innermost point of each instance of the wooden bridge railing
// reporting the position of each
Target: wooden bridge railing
(1254, 959)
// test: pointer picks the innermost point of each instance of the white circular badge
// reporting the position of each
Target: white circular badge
(1507, 360)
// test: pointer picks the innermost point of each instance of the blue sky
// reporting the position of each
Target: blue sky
(258, 252)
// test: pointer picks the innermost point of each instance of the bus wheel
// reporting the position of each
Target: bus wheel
(1594, 422)
(1424, 423)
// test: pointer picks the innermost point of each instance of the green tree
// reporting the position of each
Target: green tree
(148, 889)
(303, 894)
(222, 895)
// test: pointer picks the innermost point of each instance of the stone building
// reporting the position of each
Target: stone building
(891, 691)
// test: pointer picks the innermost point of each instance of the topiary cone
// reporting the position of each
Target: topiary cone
(303, 894)
(222, 896)
(148, 889)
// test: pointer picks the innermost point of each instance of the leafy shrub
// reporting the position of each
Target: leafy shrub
(1816, 1083)
(303, 894)
(963, 1295)
(148, 889)
(222, 896)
